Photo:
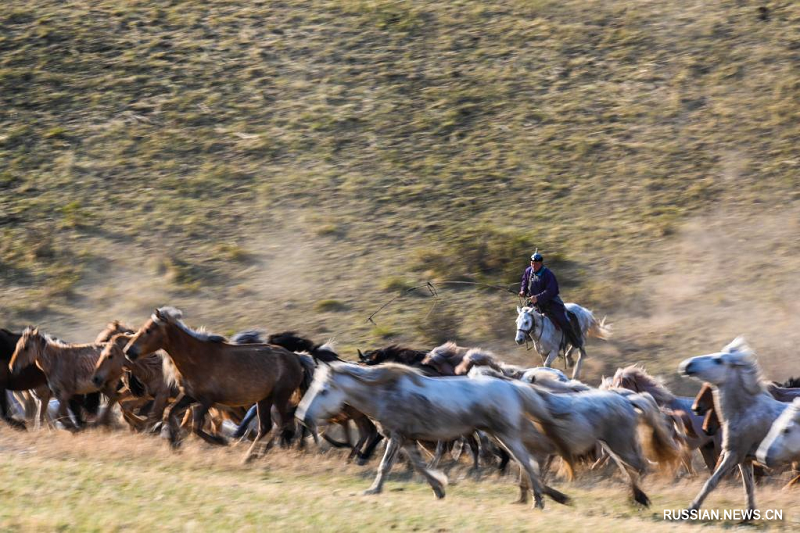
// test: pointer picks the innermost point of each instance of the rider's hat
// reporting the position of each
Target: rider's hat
(537, 257)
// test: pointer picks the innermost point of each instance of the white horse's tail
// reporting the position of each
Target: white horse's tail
(601, 330)
(661, 443)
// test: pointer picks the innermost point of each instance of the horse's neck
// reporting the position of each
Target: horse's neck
(183, 348)
(734, 398)
(47, 357)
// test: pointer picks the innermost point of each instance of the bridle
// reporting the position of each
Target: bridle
(530, 333)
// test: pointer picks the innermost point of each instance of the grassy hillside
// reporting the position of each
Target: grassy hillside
(296, 164)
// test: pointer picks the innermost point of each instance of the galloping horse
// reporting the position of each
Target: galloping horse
(637, 379)
(68, 368)
(548, 340)
(782, 443)
(214, 371)
(746, 410)
(410, 406)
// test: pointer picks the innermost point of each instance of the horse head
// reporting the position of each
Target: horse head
(736, 363)
(525, 324)
(152, 336)
(111, 363)
(324, 398)
(782, 443)
(29, 346)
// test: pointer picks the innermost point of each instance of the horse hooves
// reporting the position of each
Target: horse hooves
(559, 497)
(370, 492)
(16, 424)
(641, 497)
(439, 493)
(520, 501)
(539, 504)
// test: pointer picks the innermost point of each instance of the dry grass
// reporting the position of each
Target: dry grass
(98, 481)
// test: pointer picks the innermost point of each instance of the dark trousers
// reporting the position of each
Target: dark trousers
(555, 311)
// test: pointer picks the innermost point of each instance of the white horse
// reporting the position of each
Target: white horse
(782, 443)
(745, 407)
(547, 339)
(410, 406)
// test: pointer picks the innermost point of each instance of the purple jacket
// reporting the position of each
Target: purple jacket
(542, 284)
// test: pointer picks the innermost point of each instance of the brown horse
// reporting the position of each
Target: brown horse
(67, 367)
(636, 378)
(214, 371)
(147, 371)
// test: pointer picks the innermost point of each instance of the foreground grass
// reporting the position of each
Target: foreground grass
(113, 482)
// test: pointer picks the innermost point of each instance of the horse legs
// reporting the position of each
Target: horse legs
(198, 420)
(245, 423)
(436, 479)
(551, 357)
(727, 461)
(183, 402)
(520, 454)
(374, 439)
(157, 410)
(746, 468)
(440, 447)
(63, 411)
(264, 410)
(576, 372)
(4, 407)
(43, 395)
(386, 465)
(793, 483)
(631, 467)
(113, 397)
(709, 453)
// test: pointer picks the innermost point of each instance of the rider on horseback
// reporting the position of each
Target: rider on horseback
(539, 284)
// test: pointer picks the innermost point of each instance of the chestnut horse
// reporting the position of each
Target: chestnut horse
(147, 372)
(214, 371)
(67, 367)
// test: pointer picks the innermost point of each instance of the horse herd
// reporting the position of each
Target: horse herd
(170, 376)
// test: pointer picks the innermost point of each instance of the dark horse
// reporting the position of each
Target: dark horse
(414, 358)
(31, 377)
(215, 371)
(368, 434)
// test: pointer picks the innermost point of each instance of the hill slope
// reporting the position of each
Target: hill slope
(291, 164)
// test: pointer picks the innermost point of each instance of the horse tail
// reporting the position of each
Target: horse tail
(535, 405)
(662, 444)
(601, 330)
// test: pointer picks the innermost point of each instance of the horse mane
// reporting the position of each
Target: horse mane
(291, 341)
(377, 374)
(644, 383)
(174, 315)
(739, 354)
(478, 357)
(31, 331)
(791, 383)
(250, 336)
(447, 351)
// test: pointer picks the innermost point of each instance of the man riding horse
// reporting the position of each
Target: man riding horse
(539, 284)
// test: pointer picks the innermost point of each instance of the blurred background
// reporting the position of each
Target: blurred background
(296, 165)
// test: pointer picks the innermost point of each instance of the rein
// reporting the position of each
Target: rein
(529, 334)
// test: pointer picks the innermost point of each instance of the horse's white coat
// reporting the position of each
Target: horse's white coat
(782, 443)
(547, 339)
(410, 406)
(745, 407)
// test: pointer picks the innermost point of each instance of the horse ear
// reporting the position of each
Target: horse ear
(360, 355)
(519, 309)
